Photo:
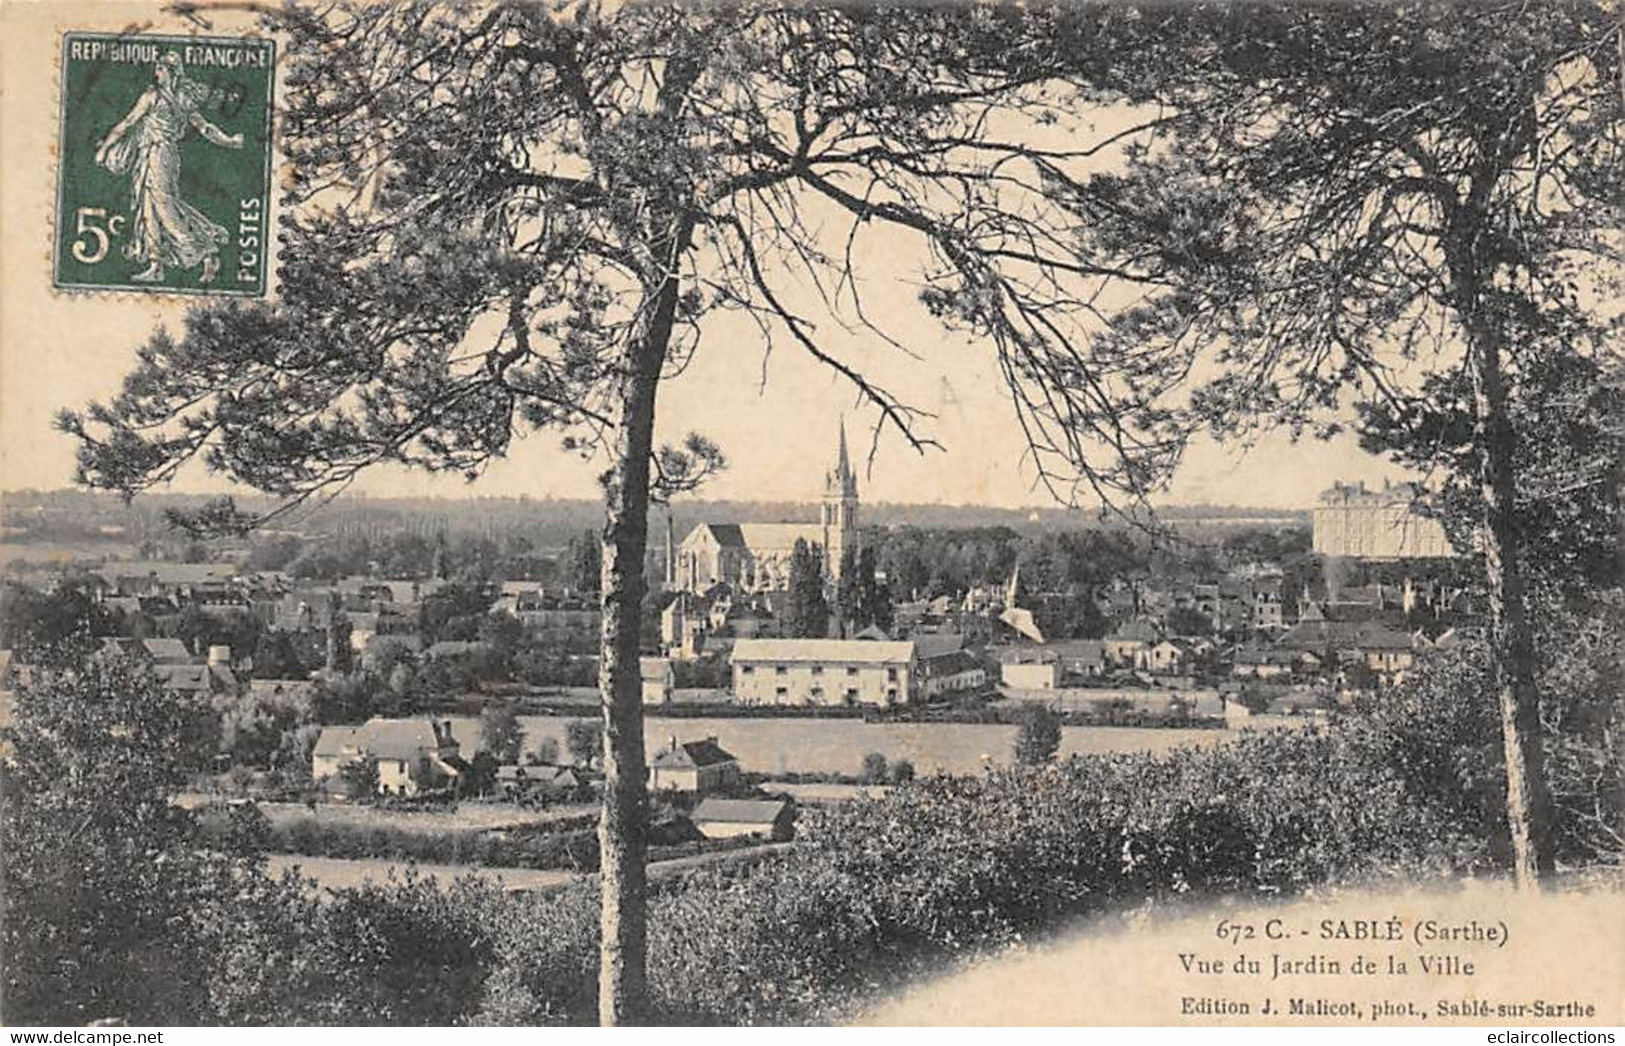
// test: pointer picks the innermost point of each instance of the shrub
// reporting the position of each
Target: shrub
(1038, 735)
(874, 768)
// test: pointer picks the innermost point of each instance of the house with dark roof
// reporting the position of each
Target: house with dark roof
(153, 651)
(1381, 649)
(1263, 662)
(729, 818)
(1123, 646)
(693, 766)
(162, 578)
(928, 645)
(953, 672)
(1080, 658)
(211, 679)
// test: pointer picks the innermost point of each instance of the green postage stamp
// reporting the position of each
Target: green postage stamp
(164, 163)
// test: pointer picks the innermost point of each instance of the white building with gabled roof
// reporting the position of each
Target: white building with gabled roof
(825, 672)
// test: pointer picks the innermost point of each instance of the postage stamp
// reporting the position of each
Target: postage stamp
(164, 163)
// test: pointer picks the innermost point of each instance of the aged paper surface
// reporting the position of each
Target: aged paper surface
(1470, 952)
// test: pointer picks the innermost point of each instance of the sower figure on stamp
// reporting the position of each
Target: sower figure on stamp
(165, 230)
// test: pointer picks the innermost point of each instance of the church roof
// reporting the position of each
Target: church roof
(728, 535)
(764, 535)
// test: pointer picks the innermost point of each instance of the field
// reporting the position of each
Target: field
(49, 553)
(780, 746)
(334, 873)
(818, 792)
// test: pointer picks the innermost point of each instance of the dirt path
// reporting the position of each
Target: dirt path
(1563, 948)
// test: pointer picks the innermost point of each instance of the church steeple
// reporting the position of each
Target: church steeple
(840, 517)
(843, 467)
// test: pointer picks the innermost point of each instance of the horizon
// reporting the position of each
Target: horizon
(364, 496)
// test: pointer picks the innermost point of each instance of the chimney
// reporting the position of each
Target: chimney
(672, 740)
(220, 655)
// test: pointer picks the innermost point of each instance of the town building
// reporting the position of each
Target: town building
(152, 651)
(825, 672)
(1029, 668)
(1124, 645)
(1384, 650)
(754, 557)
(952, 672)
(1258, 662)
(539, 783)
(1381, 524)
(1164, 657)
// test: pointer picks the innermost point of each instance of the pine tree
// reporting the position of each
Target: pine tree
(1038, 735)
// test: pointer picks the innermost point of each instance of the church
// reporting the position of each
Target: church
(755, 557)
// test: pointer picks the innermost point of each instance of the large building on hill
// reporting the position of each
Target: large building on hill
(755, 557)
(1359, 523)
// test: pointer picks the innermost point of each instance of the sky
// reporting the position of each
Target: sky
(773, 410)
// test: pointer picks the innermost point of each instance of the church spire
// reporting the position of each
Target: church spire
(844, 480)
(840, 507)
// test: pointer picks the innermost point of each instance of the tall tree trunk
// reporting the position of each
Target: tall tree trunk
(1512, 646)
(1512, 660)
(623, 824)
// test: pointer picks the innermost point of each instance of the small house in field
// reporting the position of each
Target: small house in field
(727, 818)
(658, 680)
(692, 766)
